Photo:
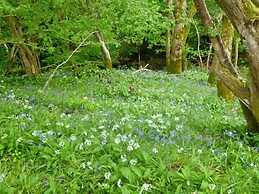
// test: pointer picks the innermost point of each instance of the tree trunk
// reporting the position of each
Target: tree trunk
(179, 37)
(212, 80)
(168, 35)
(106, 54)
(244, 14)
(227, 33)
(28, 57)
(248, 93)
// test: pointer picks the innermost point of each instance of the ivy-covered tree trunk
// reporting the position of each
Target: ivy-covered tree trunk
(179, 36)
(106, 54)
(244, 15)
(28, 57)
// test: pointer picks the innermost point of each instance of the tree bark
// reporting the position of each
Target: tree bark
(168, 35)
(179, 37)
(28, 57)
(248, 93)
(106, 54)
(227, 32)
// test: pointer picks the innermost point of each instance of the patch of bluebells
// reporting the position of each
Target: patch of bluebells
(44, 136)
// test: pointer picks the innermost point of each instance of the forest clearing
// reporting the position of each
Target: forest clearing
(132, 96)
(124, 131)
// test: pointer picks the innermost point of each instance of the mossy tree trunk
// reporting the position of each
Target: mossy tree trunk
(227, 32)
(28, 56)
(212, 80)
(244, 18)
(106, 54)
(177, 38)
(177, 62)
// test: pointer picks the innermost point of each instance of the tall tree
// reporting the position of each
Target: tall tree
(244, 15)
(179, 35)
(169, 4)
(28, 57)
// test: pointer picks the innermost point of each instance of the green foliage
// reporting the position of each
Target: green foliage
(55, 28)
(122, 132)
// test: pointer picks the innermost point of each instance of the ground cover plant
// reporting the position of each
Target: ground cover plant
(123, 132)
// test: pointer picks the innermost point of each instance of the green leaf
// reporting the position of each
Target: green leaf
(126, 172)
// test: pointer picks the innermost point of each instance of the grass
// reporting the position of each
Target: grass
(123, 132)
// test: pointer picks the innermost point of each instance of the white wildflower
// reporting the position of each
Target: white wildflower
(115, 127)
(51, 133)
(212, 187)
(180, 150)
(85, 118)
(43, 138)
(73, 138)
(119, 183)
(124, 158)
(61, 144)
(19, 140)
(88, 142)
(136, 145)
(154, 150)
(107, 175)
(124, 138)
(130, 148)
(60, 124)
(117, 140)
(229, 191)
(133, 162)
(81, 146)
(104, 133)
(89, 165)
(37, 133)
(131, 142)
(104, 142)
(101, 127)
(83, 165)
(145, 187)
(2, 178)
(57, 152)
(62, 115)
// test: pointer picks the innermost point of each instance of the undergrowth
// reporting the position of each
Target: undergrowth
(123, 132)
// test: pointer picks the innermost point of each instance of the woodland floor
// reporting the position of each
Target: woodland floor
(123, 132)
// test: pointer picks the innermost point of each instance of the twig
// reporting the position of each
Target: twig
(64, 62)
(199, 44)
(209, 54)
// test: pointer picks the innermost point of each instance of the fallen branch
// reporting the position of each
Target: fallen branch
(64, 62)
(142, 69)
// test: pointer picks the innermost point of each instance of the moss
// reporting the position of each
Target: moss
(251, 9)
